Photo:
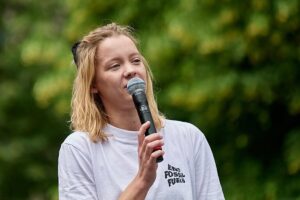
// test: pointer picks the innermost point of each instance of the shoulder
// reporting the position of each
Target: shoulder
(183, 129)
(182, 126)
(176, 123)
(78, 140)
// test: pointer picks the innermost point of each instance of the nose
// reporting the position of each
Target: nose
(130, 71)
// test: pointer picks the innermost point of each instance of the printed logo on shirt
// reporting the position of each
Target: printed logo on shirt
(173, 175)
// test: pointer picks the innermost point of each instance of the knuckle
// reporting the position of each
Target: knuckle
(149, 146)
(147, 140)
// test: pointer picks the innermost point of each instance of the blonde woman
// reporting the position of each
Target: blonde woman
(108, 155)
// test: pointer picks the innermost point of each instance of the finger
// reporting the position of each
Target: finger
(160, 146)
(151, 162)
(144, 140)
(151, 146)
(155, 155)
(141, 135)
(157, 148)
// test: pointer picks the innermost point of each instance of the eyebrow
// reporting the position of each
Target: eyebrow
(135, 54)
(99, 60)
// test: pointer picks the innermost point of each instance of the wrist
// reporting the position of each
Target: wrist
(136, 190)
(141, 184)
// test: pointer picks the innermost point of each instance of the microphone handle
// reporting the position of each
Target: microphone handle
(141, 105)
(145, 116)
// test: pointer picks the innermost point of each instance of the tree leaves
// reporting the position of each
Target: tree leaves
(229, 67)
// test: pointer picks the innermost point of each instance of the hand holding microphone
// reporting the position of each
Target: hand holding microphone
(136, 88)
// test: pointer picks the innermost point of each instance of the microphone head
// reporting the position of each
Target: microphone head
(135, 84)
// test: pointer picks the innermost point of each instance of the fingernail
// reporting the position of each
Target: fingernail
(157, 148)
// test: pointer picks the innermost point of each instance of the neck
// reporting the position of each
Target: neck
(124, 119)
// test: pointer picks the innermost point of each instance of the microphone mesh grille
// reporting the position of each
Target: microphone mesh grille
(135, 84)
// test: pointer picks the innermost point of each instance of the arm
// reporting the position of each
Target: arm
(140, 185)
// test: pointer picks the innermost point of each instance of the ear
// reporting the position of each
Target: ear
(94, 90)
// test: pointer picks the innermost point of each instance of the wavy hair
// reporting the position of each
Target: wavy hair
(87, 111)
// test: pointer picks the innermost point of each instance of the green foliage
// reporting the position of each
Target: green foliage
(229, 67)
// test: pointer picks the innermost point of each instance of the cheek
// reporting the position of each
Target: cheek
(143, 73)
(101, 78)
(100, 83)
(108, 83)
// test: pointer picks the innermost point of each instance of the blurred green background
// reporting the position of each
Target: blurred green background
(230, 67)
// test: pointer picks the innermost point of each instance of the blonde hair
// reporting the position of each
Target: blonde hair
(87, 111)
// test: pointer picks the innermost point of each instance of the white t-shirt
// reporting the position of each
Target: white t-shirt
(101, 171)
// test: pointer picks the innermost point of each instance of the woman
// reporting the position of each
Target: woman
(108, 156)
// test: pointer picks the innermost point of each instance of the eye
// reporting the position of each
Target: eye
(136, 61)
(114, 67)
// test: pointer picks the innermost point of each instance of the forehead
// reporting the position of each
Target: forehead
(115, 45)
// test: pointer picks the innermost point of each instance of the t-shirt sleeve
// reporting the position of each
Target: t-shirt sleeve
(208, 185)
(75, 174)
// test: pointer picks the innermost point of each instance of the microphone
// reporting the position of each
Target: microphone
(136, 88)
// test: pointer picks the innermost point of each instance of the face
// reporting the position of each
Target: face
(117, 61)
